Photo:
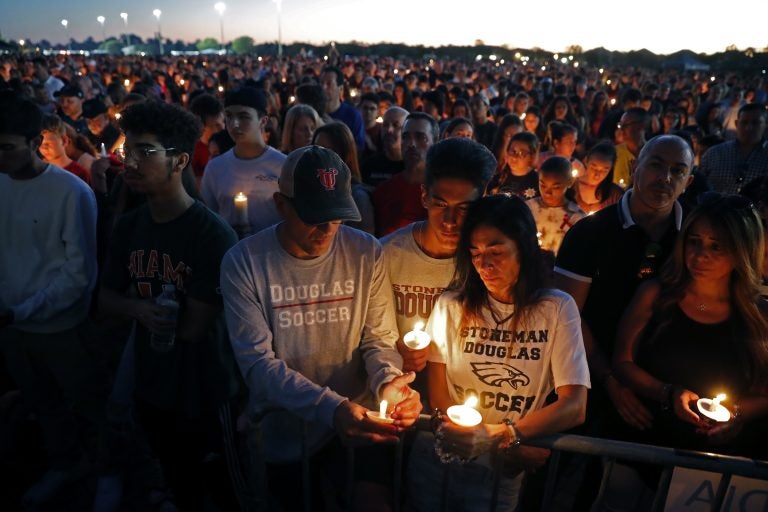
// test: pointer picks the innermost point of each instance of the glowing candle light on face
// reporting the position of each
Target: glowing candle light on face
(465, 415)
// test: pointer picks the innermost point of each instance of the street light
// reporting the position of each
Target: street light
(101, 20)
(157, 13)
(124, 15)
(279, 4)
(65, 24)
(220, 8)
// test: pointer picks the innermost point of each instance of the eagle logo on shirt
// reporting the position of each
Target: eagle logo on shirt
(494, 374)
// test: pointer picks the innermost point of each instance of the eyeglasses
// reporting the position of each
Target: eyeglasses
(139, 154)
(518, 154)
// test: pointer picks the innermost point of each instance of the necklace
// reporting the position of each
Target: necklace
(500, 321)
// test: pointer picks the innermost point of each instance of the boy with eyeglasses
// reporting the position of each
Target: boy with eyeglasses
(184, 389)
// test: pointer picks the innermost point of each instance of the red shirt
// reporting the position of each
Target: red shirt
(79, 171)
(200, 157)
(397, 203)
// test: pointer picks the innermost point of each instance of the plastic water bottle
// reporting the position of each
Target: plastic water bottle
(167, 299)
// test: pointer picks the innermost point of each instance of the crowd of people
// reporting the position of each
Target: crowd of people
(209, 265)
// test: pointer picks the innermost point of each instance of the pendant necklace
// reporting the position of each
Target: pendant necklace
(500, 321)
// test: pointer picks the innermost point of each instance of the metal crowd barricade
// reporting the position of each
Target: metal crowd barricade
(609, 450)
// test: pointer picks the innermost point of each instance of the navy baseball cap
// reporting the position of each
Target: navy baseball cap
(319, 184)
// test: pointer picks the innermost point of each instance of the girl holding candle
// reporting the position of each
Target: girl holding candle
(594, 189)
(701, 330)
(501, 336)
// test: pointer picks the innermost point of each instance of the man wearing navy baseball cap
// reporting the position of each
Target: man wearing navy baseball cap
(311, 321)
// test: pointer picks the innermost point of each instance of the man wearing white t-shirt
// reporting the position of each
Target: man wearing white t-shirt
(251, 168)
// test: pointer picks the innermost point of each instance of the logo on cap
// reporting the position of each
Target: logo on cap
(328, 178)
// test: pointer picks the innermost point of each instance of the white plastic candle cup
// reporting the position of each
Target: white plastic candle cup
(381, 415)
(417, 339)
(712, 409)
(465, 415)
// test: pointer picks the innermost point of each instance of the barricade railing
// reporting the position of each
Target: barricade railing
(608, 450)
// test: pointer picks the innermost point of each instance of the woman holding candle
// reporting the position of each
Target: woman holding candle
(504, 338)
(701, 330)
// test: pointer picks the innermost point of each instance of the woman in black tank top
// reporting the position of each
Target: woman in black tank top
(701, 330)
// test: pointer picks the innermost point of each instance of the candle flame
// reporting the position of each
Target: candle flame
(575, 173)
(383, 408)
(419, 326)
(471, 402)
(720, 397)
(240, 197)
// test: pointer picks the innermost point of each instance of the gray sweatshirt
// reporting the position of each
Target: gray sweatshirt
(309, 334)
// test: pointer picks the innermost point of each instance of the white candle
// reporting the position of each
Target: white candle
(712, 409)
(241, 209)
(380, 415)
(417, 339)
(465, 415)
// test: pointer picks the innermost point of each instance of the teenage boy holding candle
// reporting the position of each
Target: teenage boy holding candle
(311, 321)
(251, 167)
(419, 256)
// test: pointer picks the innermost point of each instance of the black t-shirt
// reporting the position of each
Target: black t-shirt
(527, 186)
(378, 168)
(616, 259)
(192, 378)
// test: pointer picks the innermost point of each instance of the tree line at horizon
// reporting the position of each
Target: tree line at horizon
(732, 58)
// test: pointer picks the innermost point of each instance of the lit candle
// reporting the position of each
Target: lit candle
(538, 237)
(622, 184)
(221, 88)
(613, 100)
(465, 415)
(712, 409)
(575, 173)
(380, 120)
(241, 209)
(126, 82)
(380, 415)
(417, 339)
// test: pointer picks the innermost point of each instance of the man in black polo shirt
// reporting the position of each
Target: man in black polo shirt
(606, 256)
(601, 262)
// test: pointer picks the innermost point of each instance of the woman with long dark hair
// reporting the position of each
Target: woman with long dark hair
(701, 329)
(501, 336)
